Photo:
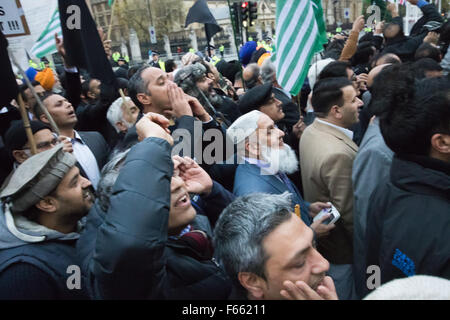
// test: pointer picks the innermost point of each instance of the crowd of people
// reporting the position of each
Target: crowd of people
(136, 193)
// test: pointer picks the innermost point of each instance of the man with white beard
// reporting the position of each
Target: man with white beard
(264, 160)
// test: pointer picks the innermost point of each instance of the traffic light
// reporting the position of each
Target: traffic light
(253, 12)
(234, 12)
(244, 11)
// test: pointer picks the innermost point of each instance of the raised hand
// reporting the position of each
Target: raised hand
(195, 178)
(432, 38)
(358, 25)
(61, 50)
(178, 100)
(67, 144)
(154, 125)
(197, 108)
(298, 128)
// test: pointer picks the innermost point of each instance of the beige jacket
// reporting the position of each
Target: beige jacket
(326, 159)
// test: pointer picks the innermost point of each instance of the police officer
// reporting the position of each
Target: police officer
(156, 62)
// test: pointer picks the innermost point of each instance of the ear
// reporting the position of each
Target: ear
(91, 95)
(254, 284)
(19, 155)
(47, 204)
(121, 126)
(335, 112)
(43, 118)
(252, 148)
(441, 143)
(144, 99)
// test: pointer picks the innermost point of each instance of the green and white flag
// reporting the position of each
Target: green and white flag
(300, 30)
(110, 2)
(45, 44)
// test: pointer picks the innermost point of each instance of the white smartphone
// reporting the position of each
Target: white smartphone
(334, 215)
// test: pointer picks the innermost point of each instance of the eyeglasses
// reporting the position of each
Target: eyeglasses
(45, 144)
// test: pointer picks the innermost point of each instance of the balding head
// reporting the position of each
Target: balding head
(390, 58)
(374, 72)
(251, 75)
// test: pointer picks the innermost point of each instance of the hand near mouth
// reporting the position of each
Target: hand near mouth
(301, 291)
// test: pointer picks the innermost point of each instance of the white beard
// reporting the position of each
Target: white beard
(281, 160)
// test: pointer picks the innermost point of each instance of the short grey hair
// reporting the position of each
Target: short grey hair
(108, 178)
(115, 112)
(255, 69)
(268, 71)
(242, 227)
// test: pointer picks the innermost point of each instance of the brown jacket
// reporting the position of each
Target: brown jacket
(326, 159)
(350, 46)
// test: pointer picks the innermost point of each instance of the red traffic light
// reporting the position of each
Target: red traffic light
(244, 5)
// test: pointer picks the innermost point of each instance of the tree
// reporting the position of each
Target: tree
(167, 16)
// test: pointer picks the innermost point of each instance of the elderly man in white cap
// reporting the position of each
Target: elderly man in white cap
(42, 207)
(265, 161)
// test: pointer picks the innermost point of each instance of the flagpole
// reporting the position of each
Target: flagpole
(38, 100)
(207, 42)
(26, 124)
(111, 20)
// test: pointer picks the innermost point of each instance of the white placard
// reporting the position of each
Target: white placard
(12, 19)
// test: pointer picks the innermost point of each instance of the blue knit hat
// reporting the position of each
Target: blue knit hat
(245, 54)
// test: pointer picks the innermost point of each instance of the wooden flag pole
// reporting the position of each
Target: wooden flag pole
(124, 102)
(26, 124)
(38, 100)
(111, 20)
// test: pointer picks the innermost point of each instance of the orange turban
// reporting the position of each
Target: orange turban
(46, 78)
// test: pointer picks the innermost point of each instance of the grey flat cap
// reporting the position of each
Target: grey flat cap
(38, 176)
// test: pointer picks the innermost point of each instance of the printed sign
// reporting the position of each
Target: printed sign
(12, 19)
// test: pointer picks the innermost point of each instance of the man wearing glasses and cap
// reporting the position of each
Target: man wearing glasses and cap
(18, 147)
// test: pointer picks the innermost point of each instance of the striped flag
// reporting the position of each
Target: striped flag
(45, 44)
(300, 30)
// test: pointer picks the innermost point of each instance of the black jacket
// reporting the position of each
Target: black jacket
(290, 109)
(92, 117)
(405, 47)
(408, 229)
(430, 13)
(133, 257)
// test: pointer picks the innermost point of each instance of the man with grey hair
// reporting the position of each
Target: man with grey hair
(122, 115)
(252, 76)
(39, 226)
(264, 162)
(269, 252)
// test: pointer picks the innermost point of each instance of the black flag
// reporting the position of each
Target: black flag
(200, 13)
(8, 84)
(84, 48)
